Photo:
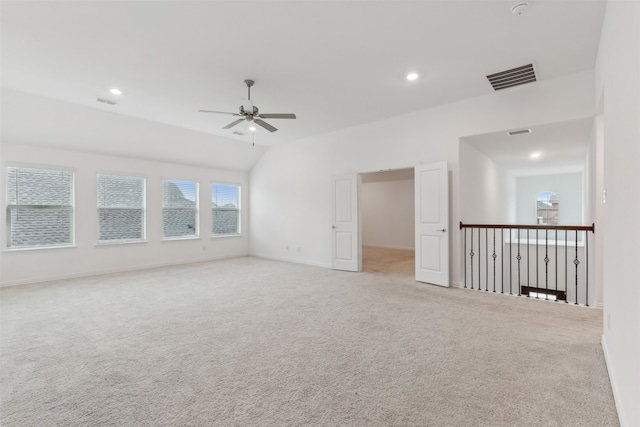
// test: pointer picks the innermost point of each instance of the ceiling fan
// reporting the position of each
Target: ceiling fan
(250, 113)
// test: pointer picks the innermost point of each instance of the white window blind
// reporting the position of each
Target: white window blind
(39, 207)
(120, 208)
(225, 209)
(179, 208)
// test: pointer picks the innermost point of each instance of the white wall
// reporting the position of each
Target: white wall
(618, 86)
(387, 209)
(24, 266)
(568, 187)
(487, 191)
(291, 184)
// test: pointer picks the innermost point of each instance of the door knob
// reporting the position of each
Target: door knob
(443, 230)
(333, 226)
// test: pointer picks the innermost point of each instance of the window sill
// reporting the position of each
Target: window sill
(175, 239)
(37, 249)
(225, 236)
(121, 242)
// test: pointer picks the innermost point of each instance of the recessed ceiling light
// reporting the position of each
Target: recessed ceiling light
(252, 128)
(535, 155)
(115, 91)
(412, 76)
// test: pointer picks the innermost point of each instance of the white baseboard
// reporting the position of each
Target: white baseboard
(112, 271)
(612, 378)
(293, 260)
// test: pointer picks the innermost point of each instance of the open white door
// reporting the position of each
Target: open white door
(345, 230)
(432, 218)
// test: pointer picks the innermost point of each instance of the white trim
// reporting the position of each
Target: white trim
(38, 248)
(178, 238)
(224, 236)
(120, 242)
(115, 270)
(614, 387)
(26, 165)
(295, 261)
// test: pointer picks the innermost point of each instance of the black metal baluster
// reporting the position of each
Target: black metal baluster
(479, 262)
(510, 263)
(586, 268)
(576, 262)
(546, 263)
(518, 258)
(566, 267)
(471, 254)
(465, 257)
(502, 258)
(537, 281)
(556, 258)
(486, 259)
(528, 261)
(494, 256)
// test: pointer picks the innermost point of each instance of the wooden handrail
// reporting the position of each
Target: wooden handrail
(591, 228)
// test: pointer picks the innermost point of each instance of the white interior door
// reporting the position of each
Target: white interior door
(345, 229)
(432, 219)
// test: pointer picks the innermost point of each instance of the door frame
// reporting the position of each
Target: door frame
(398, 167)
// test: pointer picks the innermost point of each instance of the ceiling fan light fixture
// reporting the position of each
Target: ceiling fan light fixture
(412, 76)
(535, 155)
(115, 91)
(252, 128)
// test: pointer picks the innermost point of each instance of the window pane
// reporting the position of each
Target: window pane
(225, 221)
(39, 227)
(179, 194)
(180, 208)
(179, 222)
(40, 207)
(120, 191)
(26, 186)
(225, 212)
(120, 224)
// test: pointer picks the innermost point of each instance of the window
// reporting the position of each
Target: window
(179, 208)
(39, 208)
(120, 208)
(225, 209)
(547, 208)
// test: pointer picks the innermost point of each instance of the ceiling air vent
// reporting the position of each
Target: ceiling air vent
(513, 77)
(519, 132)
(106, 101)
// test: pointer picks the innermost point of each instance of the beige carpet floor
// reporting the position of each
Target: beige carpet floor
(253, 342)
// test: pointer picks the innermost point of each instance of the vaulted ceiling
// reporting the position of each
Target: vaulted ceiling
(335, 64)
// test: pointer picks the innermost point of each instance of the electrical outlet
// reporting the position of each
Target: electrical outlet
(204, 248)
(298, 248)
(286, 247)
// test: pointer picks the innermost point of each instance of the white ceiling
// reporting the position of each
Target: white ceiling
(335, 64)
(562, 147)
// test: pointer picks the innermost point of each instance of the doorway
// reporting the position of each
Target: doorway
(387, 203)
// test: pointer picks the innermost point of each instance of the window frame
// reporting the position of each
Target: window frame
(143, 238)
(239, 209)
(9, 207)
(196, 234)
